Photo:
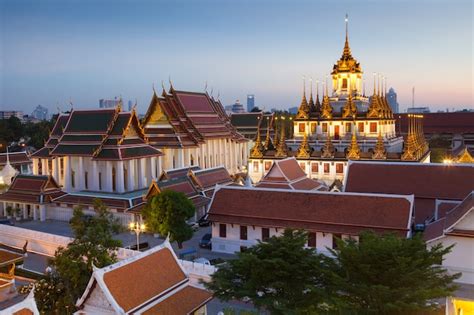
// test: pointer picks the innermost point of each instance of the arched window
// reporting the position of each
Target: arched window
(174, 162)
(125, 177)
(344, 83)
(192, 160)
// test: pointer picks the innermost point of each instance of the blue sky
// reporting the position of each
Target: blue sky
(53, 51)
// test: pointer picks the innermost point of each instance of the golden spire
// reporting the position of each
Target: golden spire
(326, 108)
(328, 148)
(374, 110)
(346, 54)
(317, 105)
(304, 150)
(257, 149)
(268, 140)
(379, 151)
(409, 148)
(350, 109)
(303, 111)
(311, 106)
(353, 152)
(282, 149)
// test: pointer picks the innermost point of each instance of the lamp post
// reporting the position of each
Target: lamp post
(138, 228)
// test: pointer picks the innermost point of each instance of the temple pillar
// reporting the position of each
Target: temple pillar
(131, 175)
(94, 183)
(4, 208)
(35, 166)
(80, 176)
(25, 211)
(56, 169)
(180, 163)
(159, 167)
(140, 173)
(120, 179)
(152, 161)
(44, 167)
(108, 177)
(42, 210)
(67, 174)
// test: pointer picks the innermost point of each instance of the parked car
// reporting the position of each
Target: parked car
(204, 221)
(202, 260)
(205, 241)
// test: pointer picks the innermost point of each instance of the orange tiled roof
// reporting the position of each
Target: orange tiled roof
(183, 302)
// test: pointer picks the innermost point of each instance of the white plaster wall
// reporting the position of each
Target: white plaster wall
(461, 258)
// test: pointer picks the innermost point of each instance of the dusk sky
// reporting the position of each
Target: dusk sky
(53, 51)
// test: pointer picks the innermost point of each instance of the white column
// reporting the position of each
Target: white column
(35, 212)
(152, 161)
(180, 158)
(44, 167)
(42, 209)
(94, 178)
(4, 208)
(67, 174)
(80, 176)
(159, 167)
(131, 175)
(107, 179)
(25, 211)
(140, 173)
(35, 166)
(119, 177)
(56, 169)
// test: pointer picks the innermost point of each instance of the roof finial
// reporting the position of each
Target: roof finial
(153, 87)
(347, 26)
(8, 159)
(375, 78)
(171, 84)
(212, 90)
(311, 87)
(304, 86)
(326, 83)
(218, 94)
(205, 87)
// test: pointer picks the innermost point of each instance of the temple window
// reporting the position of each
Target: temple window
(301, 128)
(125, 176)
(40, 167)
(50, 166)
(326, 168)
(325, 127)
(192, 160)
(312, 239)
(86, 180)
(303, 166)
(255, 166)
(265, 234)
(348, 127)
(100, 181)
(373, 127)
(360, 127)
(313, 127)
(268, 164)
(222, 230)
(335, 238)
(243, 232)
(339, 168)
(73, 180)
(314, 167)
(113, 179)
(174, 162)
(344, 83)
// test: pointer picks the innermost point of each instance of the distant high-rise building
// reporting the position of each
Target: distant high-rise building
(103, 103)
(418, 110)
(238, 107)
(5, 114)
(250, 102)
(293, 110)
(40, 113)
(392, 100)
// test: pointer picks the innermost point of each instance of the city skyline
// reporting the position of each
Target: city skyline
(53, 52)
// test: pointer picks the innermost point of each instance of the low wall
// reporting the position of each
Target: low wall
(197, 271)
(43, 243)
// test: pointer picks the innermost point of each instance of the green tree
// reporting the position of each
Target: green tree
(16, 127)
(388, 274)
(167, 212)
(280, 276)
(93, 244)
(38, 132)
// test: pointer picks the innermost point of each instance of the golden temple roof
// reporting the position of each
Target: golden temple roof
(346, 63)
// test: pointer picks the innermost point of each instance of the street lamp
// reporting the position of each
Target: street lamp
(138, 228)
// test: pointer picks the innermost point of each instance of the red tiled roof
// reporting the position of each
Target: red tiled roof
(439, 181)
(117, 203)
(310, 210)
(16, 158)
(137, 282)
(183, 302)
(208, 178)
(446, 225)
(32, 188)
(438, 123)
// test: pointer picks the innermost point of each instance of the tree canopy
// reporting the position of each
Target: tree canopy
(388, 274)
(93, 244)
(167, 212)
(380, 274)
(280, 276)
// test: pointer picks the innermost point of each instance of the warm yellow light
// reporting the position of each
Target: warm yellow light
(447, 161)
(132, 225)
(142, 227)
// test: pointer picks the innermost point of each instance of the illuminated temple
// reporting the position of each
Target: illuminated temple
(343, 125)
